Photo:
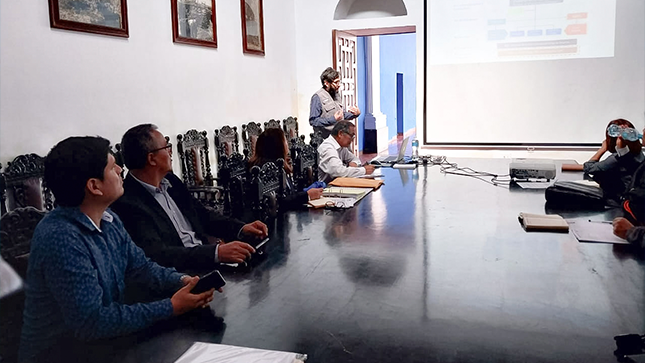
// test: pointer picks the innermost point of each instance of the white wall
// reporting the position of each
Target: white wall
(314, 24)
(57, 83)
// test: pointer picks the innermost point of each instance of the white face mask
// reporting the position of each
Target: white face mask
(623, 150)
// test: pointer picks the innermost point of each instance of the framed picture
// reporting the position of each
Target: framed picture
(107, 17)
(252, 26)
(193, 22)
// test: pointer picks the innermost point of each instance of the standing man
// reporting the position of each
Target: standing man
(163, 218)
(335, 160)
(326, 108)
(82, 258)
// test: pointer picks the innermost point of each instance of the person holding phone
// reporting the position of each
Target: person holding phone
(163, 218)
(82, 259)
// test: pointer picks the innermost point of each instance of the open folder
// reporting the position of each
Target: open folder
(356, 183)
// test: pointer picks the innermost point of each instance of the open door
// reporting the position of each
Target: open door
(344, 60)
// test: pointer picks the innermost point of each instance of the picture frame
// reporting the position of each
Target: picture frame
(193, 22)
(252, 26)
(105, 17)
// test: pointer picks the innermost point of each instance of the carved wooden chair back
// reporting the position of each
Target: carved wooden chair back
(195, 162)
(25, 184)
(315, 139)
(227, 142)
(16, 230)
(232, 177)
(3, 192)
(305, 163)
(272, 124)
(250, 134)
(266, 189)
(118, 157)
(290, 128)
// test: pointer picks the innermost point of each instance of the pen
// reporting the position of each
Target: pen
(606, 222)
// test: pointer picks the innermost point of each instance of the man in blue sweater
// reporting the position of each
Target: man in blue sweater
(82, 258)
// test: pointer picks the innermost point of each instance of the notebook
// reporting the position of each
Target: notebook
(543, 223)
(346, 192)
(394, 158)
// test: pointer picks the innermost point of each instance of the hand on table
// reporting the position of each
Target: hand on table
(315, 193)
(621, 226)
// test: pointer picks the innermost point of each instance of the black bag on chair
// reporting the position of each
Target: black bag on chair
(568, 194)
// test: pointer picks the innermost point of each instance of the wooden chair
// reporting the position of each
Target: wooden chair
(272, 124)
(232, 177)
(315, 139)
(266, 189)
(118, 157)
(290, 128)
(250, 133)
(3, 192)
(305, 163)
(16, 230)
(196, 168)
(25, 184)
(227, 142)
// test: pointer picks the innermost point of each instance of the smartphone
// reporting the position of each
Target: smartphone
(261, 243)
(212, 280)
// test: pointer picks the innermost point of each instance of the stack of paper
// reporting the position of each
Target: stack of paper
(219, 353)
(542, 222)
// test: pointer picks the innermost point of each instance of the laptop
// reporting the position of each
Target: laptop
(393, 159)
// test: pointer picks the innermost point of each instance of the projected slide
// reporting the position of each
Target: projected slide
(479, 31)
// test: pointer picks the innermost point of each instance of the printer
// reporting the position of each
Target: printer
(525, 169)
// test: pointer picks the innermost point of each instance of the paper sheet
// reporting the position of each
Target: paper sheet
(219, 353)
(594, 231)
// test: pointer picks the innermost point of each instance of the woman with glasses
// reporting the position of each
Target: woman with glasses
(271, 146)
(614, 173)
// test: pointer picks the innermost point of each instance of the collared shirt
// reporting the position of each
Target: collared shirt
(333, 160)
(315, 114)
(182, 225)
(76, 280)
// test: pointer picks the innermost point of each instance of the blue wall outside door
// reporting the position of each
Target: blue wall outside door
(398, 55)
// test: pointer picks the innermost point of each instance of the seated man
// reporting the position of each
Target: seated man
(163, 218)
(335, 159)
(81, 257)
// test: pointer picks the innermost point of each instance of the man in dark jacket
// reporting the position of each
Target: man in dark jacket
(164, 219)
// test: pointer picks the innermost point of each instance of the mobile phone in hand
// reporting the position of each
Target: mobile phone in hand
(261, 243)
(212, 280)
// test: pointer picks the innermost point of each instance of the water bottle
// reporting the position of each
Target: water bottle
(415, 149)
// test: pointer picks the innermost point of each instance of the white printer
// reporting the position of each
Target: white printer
(524, 169)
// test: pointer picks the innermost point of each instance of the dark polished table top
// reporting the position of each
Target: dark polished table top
(430, 268)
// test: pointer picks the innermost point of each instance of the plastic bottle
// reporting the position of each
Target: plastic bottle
(415, 148)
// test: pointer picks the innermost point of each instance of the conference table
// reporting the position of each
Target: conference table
(431, 267)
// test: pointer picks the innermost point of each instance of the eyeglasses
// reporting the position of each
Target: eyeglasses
(168, 146)
(353, 136)
(337, 81)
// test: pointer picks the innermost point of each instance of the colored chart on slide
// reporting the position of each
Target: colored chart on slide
(479, 31)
